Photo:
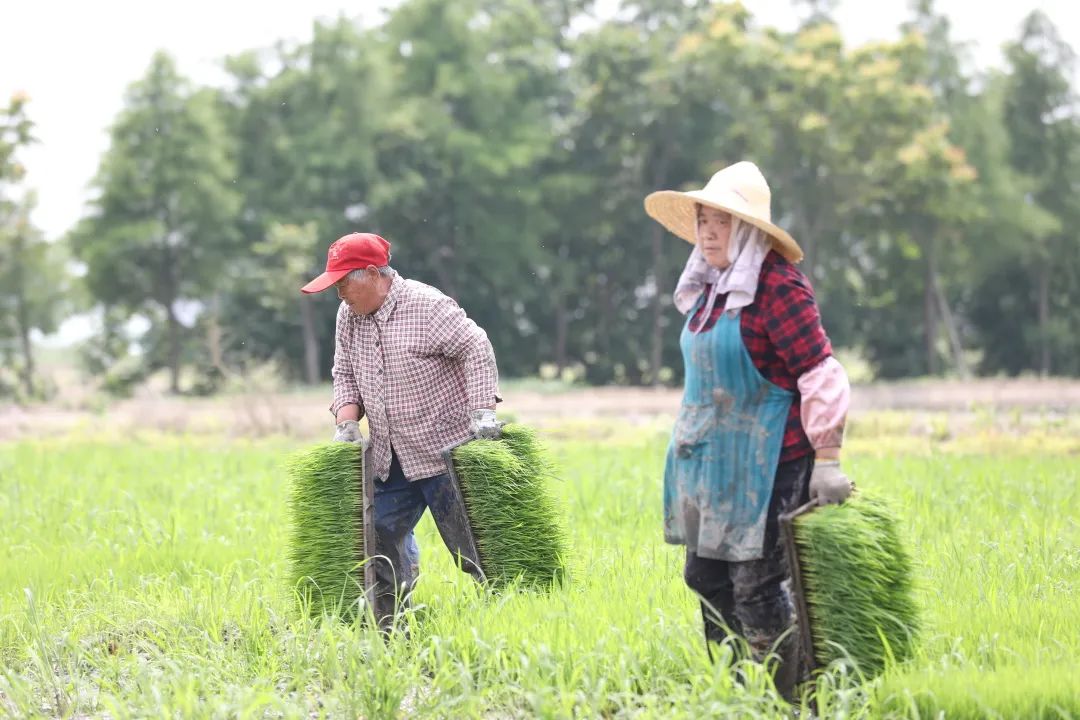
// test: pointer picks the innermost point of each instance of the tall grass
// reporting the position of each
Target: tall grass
(1031, 692)
(145, 580)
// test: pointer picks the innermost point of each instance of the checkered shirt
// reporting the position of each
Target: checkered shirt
(782, 332)
(416, 368)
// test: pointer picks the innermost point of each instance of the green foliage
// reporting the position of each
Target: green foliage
(302, 118)
(1024, 309)
(462, 152)
(505, 146)
(326, 546)
(32, 290)
(516, 521)
(33, 295)
(107, 358)
(163, 220)
(858, 578)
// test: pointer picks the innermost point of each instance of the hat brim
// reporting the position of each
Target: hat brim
(324, 281)
(675, 211)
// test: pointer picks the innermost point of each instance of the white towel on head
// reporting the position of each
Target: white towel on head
(747, 250)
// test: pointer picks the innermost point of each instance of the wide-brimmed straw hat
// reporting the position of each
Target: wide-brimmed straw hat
(739, 189)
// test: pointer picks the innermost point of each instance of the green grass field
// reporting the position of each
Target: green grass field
(145, 577)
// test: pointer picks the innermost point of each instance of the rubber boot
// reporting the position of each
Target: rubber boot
(394, 582)
(452, 521)
(787, 669)
(721, 627)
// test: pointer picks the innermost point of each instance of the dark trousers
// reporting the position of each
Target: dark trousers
(399, 505)
(749, 597)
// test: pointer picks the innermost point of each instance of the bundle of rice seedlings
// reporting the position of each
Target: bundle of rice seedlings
(857, 581)
(516, 523)
(326, 549)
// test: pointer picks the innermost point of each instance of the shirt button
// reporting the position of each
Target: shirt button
(377, 343)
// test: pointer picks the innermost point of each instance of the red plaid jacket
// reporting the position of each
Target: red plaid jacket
(416, 368)
(783, 333)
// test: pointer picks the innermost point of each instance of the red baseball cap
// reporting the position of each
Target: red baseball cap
(354, 251)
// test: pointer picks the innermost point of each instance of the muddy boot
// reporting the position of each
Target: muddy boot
(385, 600)
(788, 668)
(390, 610)
(447, 507)
(719, 630)
(394, 581)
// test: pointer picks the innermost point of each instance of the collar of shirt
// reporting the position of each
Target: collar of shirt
(396, 287)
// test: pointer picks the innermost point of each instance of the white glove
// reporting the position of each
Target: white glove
(349, 431)
(828, 483)
(484, 426)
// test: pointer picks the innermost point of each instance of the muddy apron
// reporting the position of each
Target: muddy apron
(725, 448)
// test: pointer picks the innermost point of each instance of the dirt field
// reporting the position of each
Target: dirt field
(303, 413)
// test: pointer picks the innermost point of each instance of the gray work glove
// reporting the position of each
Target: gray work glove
(349, 431)
(828, 483)
(484, 426)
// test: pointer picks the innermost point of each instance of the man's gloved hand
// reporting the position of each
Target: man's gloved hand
(349, 431)
(828, 483)
(484, 426)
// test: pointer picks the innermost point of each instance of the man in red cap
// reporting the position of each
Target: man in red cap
(424, 374)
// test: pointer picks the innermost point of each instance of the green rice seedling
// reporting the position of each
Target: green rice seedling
(857, 577)
(523, 442)
(326, 549)
(516, 524)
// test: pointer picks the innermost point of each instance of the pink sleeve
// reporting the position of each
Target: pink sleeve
(826, 394)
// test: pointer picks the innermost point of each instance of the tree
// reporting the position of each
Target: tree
(303, 120)
(284, 266)
(162, 223)
(932, 199)
(32, 286)
(1040, 117)
(32, 277)
(653, 115)
(475, 115)
(504, 148)
(855, 151)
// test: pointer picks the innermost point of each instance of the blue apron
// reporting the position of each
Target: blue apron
(724, 451)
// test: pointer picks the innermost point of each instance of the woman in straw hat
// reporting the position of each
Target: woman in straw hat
(763, 409)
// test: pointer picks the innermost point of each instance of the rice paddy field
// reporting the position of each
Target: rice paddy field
(145, 576)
